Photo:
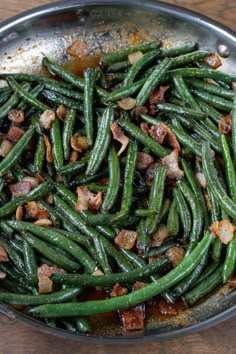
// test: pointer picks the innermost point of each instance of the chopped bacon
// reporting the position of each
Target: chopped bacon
(213, 61)
(3, 254)
(159, 235)
(2, 275)
(158, 132)
(19, 213)
(74, 156)
(43, 222)
(143, 161)
(87, 200)
(172, 140)
(118, 290)
(16, 116)
(46, 119)
(119, 135)
(158, 95)
(79, 143)
(21, 188)
(61, 112)
(138, 285)
(78, 49)
(133, 319)
(224, 230)
(167, 309)
(134, 57)
(225, 124)
(175, 255)
(44, 282)
(201, 179)
(144, 127)
(127, 103)
(150, 172)
(14, 134)
(32, 180)
(35, 211)
(171, 161)
(126, 239)
(5, 147)
(140, 110)
(48, 149)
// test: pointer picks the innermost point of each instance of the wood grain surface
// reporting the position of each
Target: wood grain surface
(18, 338)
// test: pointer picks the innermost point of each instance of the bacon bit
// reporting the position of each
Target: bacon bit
(16, 115)
(201, 179)
(213, 61)
(225, 124)
(61, 112)
(172, 163)
(158, 132)
(87, 200)
(150, 172)
(118, 290)
(21, 188)
(44, 272)
(144, 127)
(5, 147)
(35, 211)
(159, 235)
(46, 119)
(138, 285)
(143, 161)
(39, 178)
(167, 309)
(172, 140)
(134, 57)
(2, 275)
(126, 239)
(43, 222)
(140, 110)
(14, 134)
(49, 198)
(74, 156)
(79, 143)
(224, 230)
(32, 180)
(158, 95)
(3, 255)
(127, 103)
(48, 149)
(119, 135)
(175, 255)
(133, 319)
(19, 213)
(78, 49)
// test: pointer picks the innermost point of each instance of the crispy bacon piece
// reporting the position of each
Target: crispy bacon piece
(134, 57)
(43, 222)
(140, 110)
(14, 134)
(175, 255)
(61, 112)
(46, 119)
(161, 133)
(225, 124)
(118, 290)
(201, 179)
(213, 61)
(159, 235)
(19, 213)
(120, 136)
(3, 254)
(133, 319)
(150, 172)
(127, 103)
(143, 161)
(87, 200)
(79, 143)
(144, 127)
(35, 211)
(138, 285)
(171, 161)
(78, 49)
(5, 147)
(74, 156)
(224, 230)
(48, 149)
(126, 239)
(32, 180)
(16, 116)
(158, 95)
(167, 309)
(44, 272)
(21, 188)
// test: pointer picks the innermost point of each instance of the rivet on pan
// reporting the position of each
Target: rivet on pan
(223, 51)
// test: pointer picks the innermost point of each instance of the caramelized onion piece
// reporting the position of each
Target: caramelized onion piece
(48, 149)
(120, 136)
(2, 275)
(79, 143)
(213, 61)
(3, 254)
(21, 188)
(43, 222)
(224, 230)
(16, 116)
(134, 57)
(61, 112)
(201, 179)
(171, 161)
(78, 49)
(44, 272)
(87, 200)
(19, 213)
(127, 103)
(5, 147)
(126, 239)
(46, 119)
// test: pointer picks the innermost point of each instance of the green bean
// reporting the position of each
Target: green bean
(201, 73)
(126, 91)
(37, 193)
(173, 219)
(152, 81)
(118, 67)
(165, 209)
(215, 101)
(88, 104)
(83, 325)
(143, 241)
(72, 167)
(14, 256)
(156, 198)
(109, 219)
(56, 98)
(184, 93)
(114, 181)
(14, 286)
(30, 262)
(11, 103)
(233, 115)
(39, 155)
(132, 299)
(56, 297)
(101, 143)
(16, 152)
(120, 55)
(34, 92)
(143, 213)
(51, 210)
(184, 212)
(189, 57)
(212, 88)
(172, 108)
(57, 151)
(178, 50)
(211, 111)
(63, 91)
(156, 251)
(146, 140)
(229, 168)
(230, 260)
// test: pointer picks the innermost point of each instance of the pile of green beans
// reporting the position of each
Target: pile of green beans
(182, 195)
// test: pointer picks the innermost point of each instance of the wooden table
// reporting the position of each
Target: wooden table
(18, 338)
